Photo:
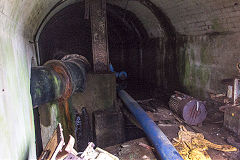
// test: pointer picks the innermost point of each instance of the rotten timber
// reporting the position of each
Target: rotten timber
(54, 145)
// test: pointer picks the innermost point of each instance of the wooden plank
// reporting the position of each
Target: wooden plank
(54, 145)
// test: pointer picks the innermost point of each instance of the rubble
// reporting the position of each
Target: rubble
(96, 154)
(138, 149)
(211, 130)
(57, 150)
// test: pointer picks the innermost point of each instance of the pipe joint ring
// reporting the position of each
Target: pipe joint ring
(60, 68)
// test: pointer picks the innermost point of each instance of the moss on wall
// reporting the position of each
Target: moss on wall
(194, 75)
(17, 127)
(204, 61)
(16, 114)
(205, 55)
(100, 94)
(216, 26)
(53, 113)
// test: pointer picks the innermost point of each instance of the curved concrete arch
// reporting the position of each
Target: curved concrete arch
(145, 16)
(51, 13)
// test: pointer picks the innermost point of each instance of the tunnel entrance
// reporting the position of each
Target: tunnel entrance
(68, 32)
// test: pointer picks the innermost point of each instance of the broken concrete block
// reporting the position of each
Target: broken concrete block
(108, 128)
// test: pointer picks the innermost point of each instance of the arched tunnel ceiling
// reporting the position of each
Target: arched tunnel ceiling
(196, 17)
(148, 19)
(189, 17)
(68, 32)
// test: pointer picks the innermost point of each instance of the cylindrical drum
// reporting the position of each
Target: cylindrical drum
(191, 110)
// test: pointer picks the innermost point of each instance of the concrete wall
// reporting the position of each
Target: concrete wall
(50, 115)
(18, 22)
(203, 61)
(16, 116)
(207, 45)
(100, 94)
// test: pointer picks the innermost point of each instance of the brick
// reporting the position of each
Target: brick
(199, 15)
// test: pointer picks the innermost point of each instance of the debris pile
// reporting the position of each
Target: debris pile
(56, 149)
(96, 154)
(193, 146)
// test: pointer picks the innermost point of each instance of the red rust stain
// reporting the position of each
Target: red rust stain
(67, 112)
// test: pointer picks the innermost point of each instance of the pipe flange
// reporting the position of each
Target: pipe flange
(72, 57)
(238, 67)
(59, 67)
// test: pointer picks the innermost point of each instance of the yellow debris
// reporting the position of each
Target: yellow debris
(193, 146)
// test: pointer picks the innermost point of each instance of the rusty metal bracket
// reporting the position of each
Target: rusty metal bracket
(99, 35)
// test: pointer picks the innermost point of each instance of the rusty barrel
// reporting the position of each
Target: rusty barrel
(190, 109)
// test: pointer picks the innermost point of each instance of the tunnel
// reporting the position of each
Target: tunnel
(68, 32)
(171, 51)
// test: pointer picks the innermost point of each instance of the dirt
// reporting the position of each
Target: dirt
(169, 124)
(133, 150)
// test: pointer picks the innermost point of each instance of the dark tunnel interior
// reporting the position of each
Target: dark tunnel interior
(68, 32)
(155, 73)
(130, 48)
(174, 91)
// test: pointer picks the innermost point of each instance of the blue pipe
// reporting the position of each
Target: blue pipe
(163, 146)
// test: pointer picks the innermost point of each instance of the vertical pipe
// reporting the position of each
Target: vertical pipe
(163, 146)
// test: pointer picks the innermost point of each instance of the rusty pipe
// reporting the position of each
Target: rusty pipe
(58, 79)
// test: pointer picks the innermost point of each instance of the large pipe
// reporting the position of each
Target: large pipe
(190, 109)
(58, 79)
(163, 146)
